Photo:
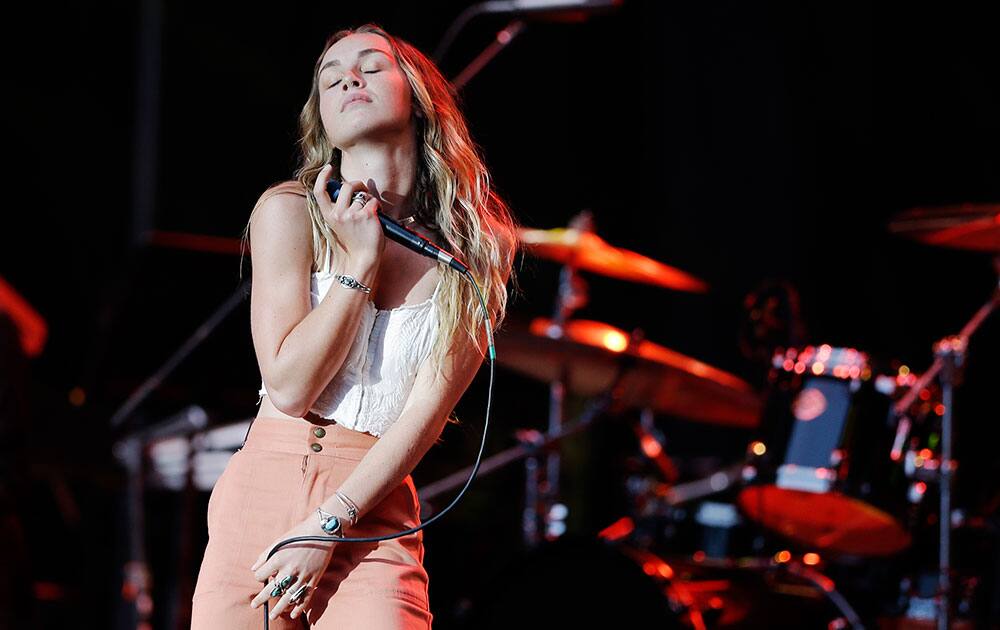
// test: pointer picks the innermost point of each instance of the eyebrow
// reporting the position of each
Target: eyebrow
(363, 53)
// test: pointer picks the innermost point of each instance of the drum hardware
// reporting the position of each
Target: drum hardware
(541, 495)
(577, 247)
(532, 443)
(704, 586)
(719, 592)
(777, 568)
(651, 443)
(590, 357)
(949, 359)
(966, 226)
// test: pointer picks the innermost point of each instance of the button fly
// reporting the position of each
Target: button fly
(319, 432)
(316, 447)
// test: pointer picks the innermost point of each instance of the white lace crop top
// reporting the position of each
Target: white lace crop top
(369, 391)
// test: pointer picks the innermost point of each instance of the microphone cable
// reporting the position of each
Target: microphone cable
(491, 357)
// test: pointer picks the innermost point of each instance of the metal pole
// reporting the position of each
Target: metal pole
(950, 354)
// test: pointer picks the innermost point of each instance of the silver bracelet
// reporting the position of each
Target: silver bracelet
(350, 506)
(351, 283)
(330, 523)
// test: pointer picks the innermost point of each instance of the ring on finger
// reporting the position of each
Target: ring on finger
(297, 595)
(360, 196)
(280, 587)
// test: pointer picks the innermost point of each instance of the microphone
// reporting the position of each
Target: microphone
(405, 237)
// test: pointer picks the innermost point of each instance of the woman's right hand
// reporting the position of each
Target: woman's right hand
(357, 226)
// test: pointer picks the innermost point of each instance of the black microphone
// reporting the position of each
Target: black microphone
(406, 238)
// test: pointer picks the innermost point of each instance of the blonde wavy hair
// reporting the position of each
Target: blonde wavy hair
(454, 195)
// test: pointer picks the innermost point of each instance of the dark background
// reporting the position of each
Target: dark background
(739, 141)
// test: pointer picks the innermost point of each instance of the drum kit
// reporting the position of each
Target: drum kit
(847, 452)
(845, 455)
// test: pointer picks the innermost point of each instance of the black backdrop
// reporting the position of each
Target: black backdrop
(738, 141)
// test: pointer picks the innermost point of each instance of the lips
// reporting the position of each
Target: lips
(354, 98)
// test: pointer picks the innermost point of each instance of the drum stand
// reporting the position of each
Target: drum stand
(540, 495)
(949, 357)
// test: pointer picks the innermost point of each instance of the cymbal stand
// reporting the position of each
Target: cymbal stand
(531, 443)
(542, 495)
(949, 357)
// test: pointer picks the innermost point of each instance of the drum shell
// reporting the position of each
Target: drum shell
(826, 479)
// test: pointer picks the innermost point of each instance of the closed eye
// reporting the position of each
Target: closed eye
(363, 72)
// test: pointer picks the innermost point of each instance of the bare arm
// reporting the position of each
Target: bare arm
(402, 446)
(299, 349)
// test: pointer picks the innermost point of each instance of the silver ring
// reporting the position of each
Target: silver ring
(360, 196)
(299, 592)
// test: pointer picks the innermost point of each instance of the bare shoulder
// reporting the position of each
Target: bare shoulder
(280, 226)
(288, 187)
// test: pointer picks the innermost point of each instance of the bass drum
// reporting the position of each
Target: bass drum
(577, 583)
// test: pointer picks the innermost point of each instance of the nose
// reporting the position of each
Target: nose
(352, 80)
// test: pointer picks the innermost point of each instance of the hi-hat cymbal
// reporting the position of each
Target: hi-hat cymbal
(588, 251)
(589, 353)
(974, 226)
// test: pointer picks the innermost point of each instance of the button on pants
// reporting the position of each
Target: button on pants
(284, 471)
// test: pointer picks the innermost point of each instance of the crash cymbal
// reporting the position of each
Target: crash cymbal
(974, 226)
(588, 251)
(589, 353)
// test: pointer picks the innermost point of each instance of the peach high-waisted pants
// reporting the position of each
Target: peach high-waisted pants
(278, 478)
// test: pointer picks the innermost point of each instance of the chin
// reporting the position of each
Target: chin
(365, 128)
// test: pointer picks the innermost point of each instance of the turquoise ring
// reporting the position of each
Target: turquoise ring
(280, 587)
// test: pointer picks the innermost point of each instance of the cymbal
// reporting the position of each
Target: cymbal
(32, 329)
(589, 353)
(588, 251)
(974, 226)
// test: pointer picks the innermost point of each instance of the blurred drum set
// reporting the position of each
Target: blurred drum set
(848, 452)
(847, 457)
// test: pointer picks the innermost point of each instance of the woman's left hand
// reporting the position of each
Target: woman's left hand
(305, 561)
